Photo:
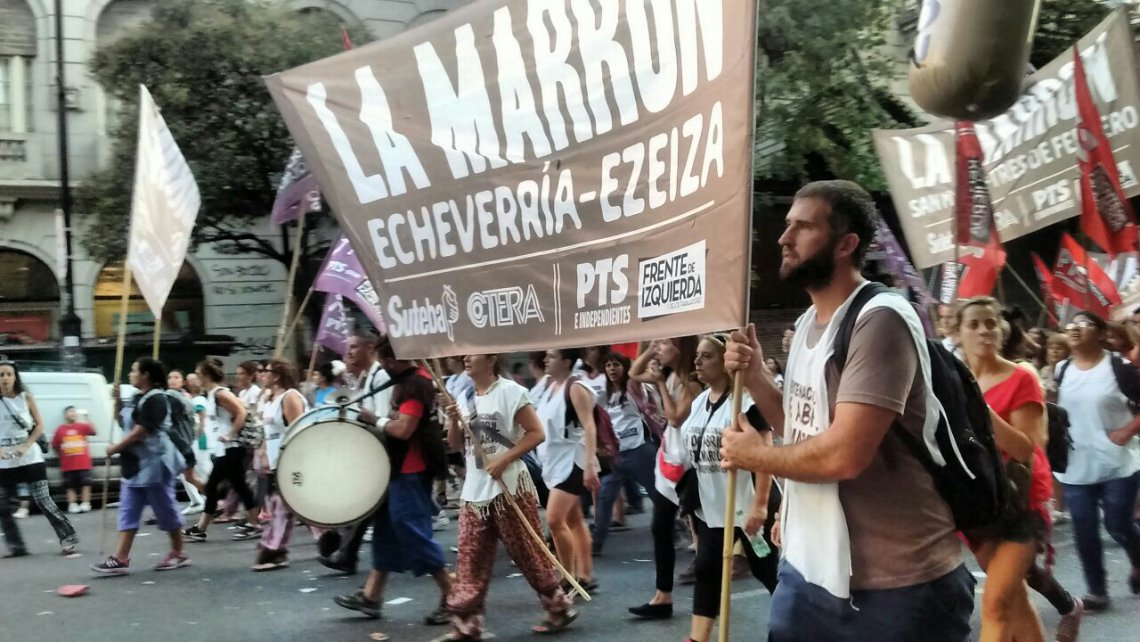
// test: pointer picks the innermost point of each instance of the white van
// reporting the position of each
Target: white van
(91, 396)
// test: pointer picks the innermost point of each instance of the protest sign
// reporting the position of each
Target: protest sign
(527, 174)
(342, 275)
(1030, 151)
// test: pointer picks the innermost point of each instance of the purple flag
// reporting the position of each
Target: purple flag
(341, 274)
(335, 329)
(297, 191)
(899, 265)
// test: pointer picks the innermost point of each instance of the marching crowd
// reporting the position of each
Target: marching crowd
(839, 511)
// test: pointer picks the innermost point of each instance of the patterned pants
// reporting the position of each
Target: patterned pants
(42, 497)
(480, 530)
(277, 530)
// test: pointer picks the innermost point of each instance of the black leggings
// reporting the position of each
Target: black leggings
(229, 467)
(710, 547)
(664, 555)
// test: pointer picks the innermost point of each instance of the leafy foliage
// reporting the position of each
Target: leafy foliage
(1060, 24)
(203, 61)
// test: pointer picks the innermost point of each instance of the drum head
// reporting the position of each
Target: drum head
(333, 472)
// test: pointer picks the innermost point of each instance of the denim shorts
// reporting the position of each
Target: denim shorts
(160, 498)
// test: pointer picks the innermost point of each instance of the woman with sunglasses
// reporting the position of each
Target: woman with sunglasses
(1098, 389)
(22, 462)
(285, 404)
(668, 365)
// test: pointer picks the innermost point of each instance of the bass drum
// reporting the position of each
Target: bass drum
(333, 469)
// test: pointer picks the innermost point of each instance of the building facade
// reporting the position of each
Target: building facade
(216, 295)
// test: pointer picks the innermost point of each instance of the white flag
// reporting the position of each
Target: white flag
(164, 208)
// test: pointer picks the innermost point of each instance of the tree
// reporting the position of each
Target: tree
(1060, 24)
(203, 61)
(822, 86)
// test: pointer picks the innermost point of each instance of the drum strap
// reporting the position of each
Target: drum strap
(494, 435)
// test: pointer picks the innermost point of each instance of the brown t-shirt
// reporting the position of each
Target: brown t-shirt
(902, 532)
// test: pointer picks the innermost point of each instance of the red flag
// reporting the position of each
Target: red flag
(628, 349)
(975, 228)
(1082, 280)
(1045, 278)
(344, 37)
(1106, 216)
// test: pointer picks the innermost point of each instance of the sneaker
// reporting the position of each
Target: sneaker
(440, 523)
(193, 509)
(337, 565)
(21, 513)
(368, 535)
(172, 561)
(252, 532)
(112, 566)
(1070, 625)
(1095, 603)
(73, 509)
(617, 527)
(357, 602)
(85, 507)
(194, 534)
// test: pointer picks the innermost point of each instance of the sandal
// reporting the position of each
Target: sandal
(547, 627)
(270, 566)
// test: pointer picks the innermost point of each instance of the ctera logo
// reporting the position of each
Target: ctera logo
(504, 307)
(424, 318)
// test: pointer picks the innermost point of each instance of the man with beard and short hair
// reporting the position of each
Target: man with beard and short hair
(340, 548)
(869, 545)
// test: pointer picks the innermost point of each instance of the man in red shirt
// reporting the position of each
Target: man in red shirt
(70, 443)
(402, 528)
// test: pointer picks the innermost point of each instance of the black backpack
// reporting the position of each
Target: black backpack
(1060, 443)
(183, 430)
(972, 480)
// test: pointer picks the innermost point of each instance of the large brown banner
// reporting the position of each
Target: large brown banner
(1030, 150)
(522, 175)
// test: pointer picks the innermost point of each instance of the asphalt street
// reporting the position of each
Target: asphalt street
(219, 598)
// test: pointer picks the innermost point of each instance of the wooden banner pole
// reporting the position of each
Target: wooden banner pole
(729, 523)
(280, 346)
(157, 337)
(120, 347)
(480, 455)
(313, 360)
(297, 319)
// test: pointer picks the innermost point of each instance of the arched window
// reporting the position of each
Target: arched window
(29, 299)
(17, 49)
(181, 318)
(117, 19)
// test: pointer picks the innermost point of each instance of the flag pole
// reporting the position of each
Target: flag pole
(1029, 290)
(297, 319)
(120, 347)
(313, 359)
(729, 541)
(157, 337)
(1088, 280)
(280, 347)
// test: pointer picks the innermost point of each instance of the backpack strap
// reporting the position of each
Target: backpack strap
(1059, 371)
(851, 317)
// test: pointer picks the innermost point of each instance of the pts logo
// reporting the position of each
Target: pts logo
(607, 279)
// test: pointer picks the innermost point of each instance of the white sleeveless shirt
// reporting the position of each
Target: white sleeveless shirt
(565, 444)
(12, 433)
(273, 420)
(219, 423)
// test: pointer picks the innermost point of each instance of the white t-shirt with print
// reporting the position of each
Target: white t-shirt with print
(565, 444)
(273, 421)
(219, 422)
(1096, 406)
(701, 434)
(629, 427)
(492, 420)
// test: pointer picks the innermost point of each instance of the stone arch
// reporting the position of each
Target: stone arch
(116, 17)
(29, 296)
(17, 29)
(182, 318)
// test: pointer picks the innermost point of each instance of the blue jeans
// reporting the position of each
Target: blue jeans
(937, 611)
(635, 464)
(1118, 498)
